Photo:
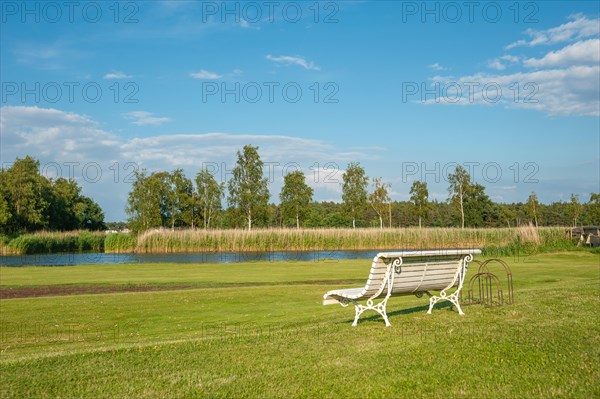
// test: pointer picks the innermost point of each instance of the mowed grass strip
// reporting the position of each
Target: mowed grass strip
(191, 274)
(550, 266)
(279, 341)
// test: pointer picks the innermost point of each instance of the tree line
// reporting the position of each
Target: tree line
(171, 200)
(30, 201)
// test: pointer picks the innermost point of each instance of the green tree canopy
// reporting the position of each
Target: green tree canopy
(180, 199)
(354, 191)
(295, 197)
(419, 195)
(89, 214)
(459, 185)
(210, 194)
(65, 197)
(146, 205)
(480, 211)
(26, 192)
(248, 189)
(30, 201)
(379, 199)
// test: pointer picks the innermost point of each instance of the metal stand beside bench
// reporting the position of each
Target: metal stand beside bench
(406, 273)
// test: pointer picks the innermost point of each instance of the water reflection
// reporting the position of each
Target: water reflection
(71, 259)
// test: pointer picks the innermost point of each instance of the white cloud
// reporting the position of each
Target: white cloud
(496, 64)
(46, 129)
(248, 25)
(116, 75)
(50, 56)
(568, 91)
(565, 81)
(143, 118)
(292, 60)
(28, 55)
(326, 179)
(52, 133)
(520, 42)
(436, 67)
(500, 63)
(579, 27)
(62, 138)
(585, 52)
(204, 74)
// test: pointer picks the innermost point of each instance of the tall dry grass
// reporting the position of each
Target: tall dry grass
(168, 241)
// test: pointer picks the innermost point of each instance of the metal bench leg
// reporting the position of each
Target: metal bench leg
(359, 310)
(432, 301)
(452, 298)
(379, 308)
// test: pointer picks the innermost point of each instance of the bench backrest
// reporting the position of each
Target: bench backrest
(417, 271)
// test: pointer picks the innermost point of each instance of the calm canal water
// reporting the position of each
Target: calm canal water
(72, 259)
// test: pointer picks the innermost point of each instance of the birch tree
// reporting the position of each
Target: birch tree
(248, 189)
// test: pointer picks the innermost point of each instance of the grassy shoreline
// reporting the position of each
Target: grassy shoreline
(494, 241)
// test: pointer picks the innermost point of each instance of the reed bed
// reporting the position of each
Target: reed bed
(119, 243)
(494, 241)
(501, 240)
(55, 242)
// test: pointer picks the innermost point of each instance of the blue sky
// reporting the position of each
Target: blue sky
(408, 89)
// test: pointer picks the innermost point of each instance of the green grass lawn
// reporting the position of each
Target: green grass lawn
(259, 330)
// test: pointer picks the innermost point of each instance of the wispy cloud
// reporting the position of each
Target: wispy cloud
(42, 57)
(116, 75)
(247, 25)
(585, 52)
(204, 74)
(293, 60)
(436, 67)
(579, 27)
(143, 118)
(500, 63)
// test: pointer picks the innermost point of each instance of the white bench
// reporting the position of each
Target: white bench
(406, 273)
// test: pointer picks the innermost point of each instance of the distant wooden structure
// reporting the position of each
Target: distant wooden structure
(585, 235)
